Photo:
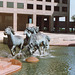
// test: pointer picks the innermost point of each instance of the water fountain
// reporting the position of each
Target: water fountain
(55, 61)
(34, 41)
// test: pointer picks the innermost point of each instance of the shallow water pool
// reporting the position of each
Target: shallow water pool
(60, 61)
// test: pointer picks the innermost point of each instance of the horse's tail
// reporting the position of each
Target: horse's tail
(48, 38)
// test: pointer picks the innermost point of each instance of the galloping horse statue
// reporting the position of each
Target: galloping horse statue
(35, 40)
(15, 40)
(33, 29)
(28, 31)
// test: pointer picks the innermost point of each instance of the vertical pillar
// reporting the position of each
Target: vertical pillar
(67, 24)
(15, 21)
(72, 29)
(5, 4)
(42, 23)
(51, 24)
(67, 17)
(34, 19)
(57, 24)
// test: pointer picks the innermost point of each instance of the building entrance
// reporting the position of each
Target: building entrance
(5, 20)
(22, 20)
(43, 22)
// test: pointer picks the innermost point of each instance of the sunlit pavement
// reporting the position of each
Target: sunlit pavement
(55, 38)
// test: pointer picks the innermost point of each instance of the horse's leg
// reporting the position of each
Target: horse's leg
(44, 46)
(15, 49)
(34, 49)
(21, 48)
(12, 52)
(47, 45)
(39, 49)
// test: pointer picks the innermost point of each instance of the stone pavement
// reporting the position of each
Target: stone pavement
(57, 39)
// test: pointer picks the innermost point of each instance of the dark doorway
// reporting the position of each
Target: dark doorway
(5, 20)
(43, 22)
(22, 20)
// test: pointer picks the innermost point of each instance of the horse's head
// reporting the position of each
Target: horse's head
(37, 29)
(27, 33)
(8, 31)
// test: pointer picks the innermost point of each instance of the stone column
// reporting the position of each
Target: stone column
(51, 24)
(67, 24)
(57, 24)
(42, 23)
(72, 29)
(15, 21)
(5, 4)
(67, 17)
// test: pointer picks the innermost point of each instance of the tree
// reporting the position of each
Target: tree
(73, 18)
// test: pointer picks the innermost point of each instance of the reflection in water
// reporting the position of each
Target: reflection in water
(63, 62)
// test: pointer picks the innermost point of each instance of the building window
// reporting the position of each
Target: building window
(29, 6)
(10, 4)
(1, 3)
(64, 9)
(39, 0)
(48, 7)
(20, 5)
(56, 8)
(39, 7)
(48, 0)
(56, 1)
(64, 1)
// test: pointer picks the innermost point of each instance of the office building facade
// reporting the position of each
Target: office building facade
(19, 13)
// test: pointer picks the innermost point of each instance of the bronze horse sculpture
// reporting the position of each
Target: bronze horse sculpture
(14, 40)
(35, 40)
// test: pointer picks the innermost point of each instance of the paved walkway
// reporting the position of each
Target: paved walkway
(61, 39)
(56, 38)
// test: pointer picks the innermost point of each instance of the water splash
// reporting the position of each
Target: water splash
(43, 55)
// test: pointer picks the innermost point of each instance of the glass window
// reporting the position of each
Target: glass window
(48, 0)
(64, 9)
(29, 6)
(10, 4)
(39, 0)
(56, 8)
(1, 3)
(56, 1)
(39, 7)
(48, 7)
(64, 1)
(20, 5)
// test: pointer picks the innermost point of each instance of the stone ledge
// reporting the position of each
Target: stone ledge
(9, 66)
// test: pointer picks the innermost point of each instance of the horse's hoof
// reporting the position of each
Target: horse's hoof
(13, 54)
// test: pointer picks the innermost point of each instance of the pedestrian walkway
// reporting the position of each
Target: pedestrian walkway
(57, 39)
(61, 39)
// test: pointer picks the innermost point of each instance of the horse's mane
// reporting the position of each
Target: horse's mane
(11, 29)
